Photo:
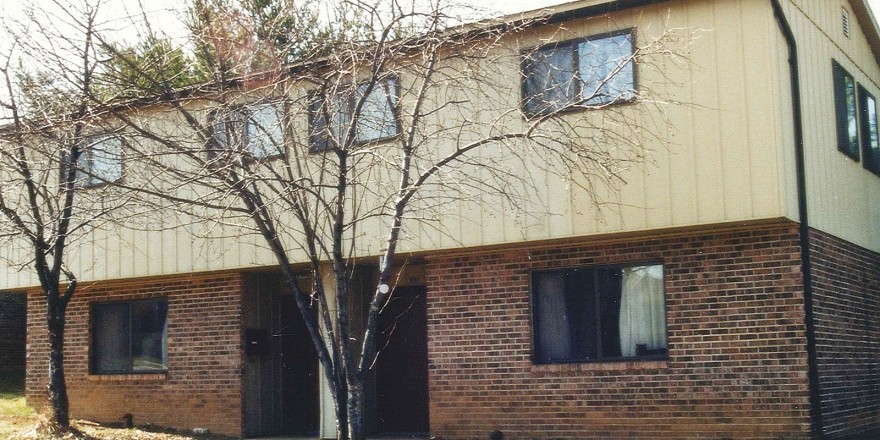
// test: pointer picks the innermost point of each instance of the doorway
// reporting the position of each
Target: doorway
(402, 365)
(281, 381)
(299, 372)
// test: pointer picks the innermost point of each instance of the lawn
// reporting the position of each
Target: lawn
(15, 415)
(20, 422)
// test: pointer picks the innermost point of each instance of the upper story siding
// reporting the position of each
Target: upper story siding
(719, 138)
(843, 197)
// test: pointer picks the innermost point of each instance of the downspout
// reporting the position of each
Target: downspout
(804, 227)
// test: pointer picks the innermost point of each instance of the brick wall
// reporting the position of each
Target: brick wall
(737, 362)
(202, 387)
(846, 298)
(13, 314)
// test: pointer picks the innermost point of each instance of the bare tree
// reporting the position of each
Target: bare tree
(336, 158)
(54, 173)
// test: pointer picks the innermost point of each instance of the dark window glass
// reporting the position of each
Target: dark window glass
(377, 119)
(100, 161)
(592, 72)
(111, 342)
(130, 337)
(264, 134)
(845, 110)
(321, 133)
(550, 80)
(257, 130)
(598, 313)
(605, 67)
(870, 138)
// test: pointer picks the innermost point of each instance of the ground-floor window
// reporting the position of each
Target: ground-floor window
(129, 337)
(598, 313)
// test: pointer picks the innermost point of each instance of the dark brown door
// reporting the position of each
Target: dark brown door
(299, 372)
(402, 366)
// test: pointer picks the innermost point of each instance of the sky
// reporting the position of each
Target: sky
(168, 12)
(164, 8)
(115, 13)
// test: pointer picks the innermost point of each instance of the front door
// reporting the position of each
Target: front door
(402, 365)
(299, 372)
(281, 364)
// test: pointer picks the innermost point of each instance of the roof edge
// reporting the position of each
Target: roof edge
(868, 22)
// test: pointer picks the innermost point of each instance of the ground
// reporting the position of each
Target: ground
(15, 415)
(20, 422)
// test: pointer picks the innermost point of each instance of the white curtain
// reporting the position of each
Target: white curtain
(642, 309)
(554, 336)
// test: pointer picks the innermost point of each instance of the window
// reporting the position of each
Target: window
(845, 110)
(376, 121)
(593, 72)
(130, 337)
(100, 161)
(870, 138)
(598, 313)
(256, 130)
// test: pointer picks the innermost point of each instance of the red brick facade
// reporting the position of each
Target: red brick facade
(846, 298)
(13, 324)
(202, 387)
(737, 365)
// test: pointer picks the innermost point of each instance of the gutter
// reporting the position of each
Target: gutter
(815, 398)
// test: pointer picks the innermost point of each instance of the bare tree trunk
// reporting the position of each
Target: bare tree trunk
(341, 412)
(55, 320)
(355, 406)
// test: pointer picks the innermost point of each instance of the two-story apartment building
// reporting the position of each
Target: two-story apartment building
(731, 291)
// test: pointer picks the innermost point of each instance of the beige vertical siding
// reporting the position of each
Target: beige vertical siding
(843, 196)
(724, 150)
(721, 157)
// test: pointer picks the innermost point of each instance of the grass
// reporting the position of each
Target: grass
(15, 415)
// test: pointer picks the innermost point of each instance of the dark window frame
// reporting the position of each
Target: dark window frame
(535, 310)
(870, 153)
(93, 333)
(318, 142)
(215, 147)
(845, 111)
(578, 103)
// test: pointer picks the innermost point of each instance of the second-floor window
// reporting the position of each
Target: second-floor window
(845, 110)
(256, 130)
(869, 133)
(855, 110)
(100, 161)
(577, 74)
(331, 117)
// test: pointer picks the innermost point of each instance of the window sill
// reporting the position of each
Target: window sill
(127, 377)
(579, 107)
(101, 184)
(372, 142)
(854, 156)
(629, 365)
